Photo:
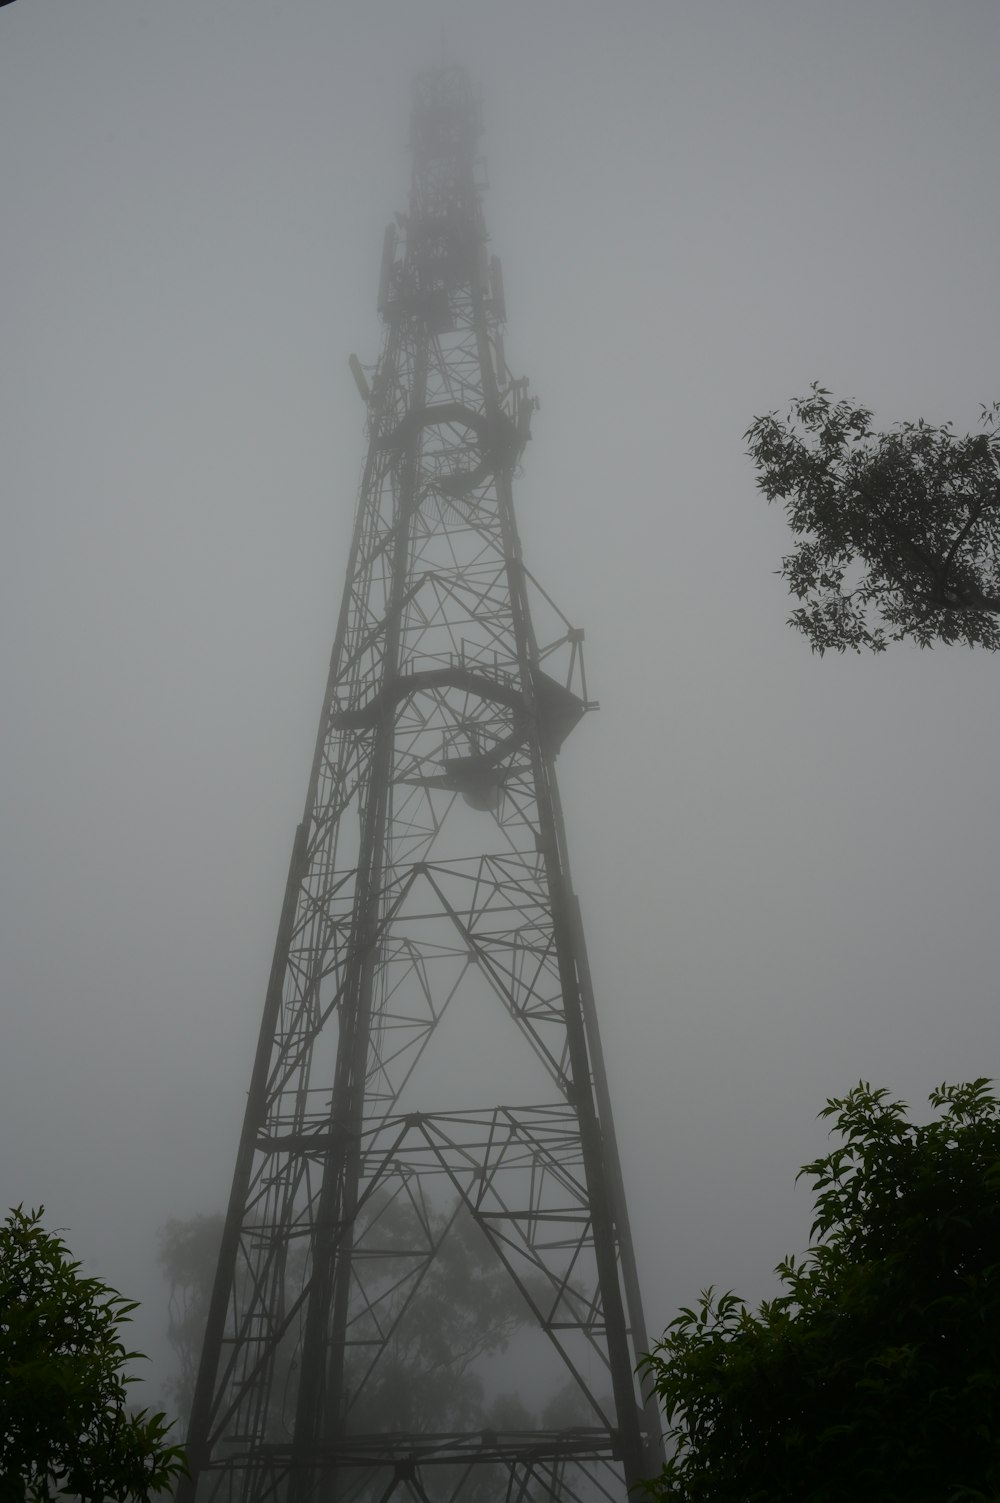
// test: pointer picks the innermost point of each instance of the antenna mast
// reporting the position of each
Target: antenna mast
(429, 878)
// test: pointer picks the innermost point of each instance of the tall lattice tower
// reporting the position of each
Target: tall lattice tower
(428, 900)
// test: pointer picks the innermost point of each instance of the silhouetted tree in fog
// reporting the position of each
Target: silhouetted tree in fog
(425, 1376)
(897, 534)
(188, 1253)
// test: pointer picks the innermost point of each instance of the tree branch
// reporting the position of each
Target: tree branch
(974, 516)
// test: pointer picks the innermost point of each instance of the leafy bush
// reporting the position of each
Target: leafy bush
(875, 1374)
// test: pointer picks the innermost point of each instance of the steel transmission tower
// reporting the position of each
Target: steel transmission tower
(428, 886)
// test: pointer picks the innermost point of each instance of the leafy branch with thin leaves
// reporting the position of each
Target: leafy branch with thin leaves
(897, 534)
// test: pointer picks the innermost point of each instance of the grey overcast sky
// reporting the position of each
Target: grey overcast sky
(787, 865)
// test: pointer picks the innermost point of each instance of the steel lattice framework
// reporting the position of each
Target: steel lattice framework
(430, 868)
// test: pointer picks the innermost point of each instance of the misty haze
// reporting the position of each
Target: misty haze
(784, 862)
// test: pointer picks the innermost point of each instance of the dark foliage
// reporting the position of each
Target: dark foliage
(65, 1424)
(876, 1373)
(897, 534)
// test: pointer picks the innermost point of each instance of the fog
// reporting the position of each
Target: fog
(786, 864)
